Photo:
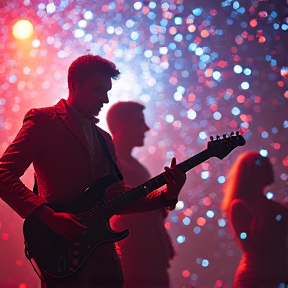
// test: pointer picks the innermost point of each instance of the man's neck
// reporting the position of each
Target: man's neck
(123, 149)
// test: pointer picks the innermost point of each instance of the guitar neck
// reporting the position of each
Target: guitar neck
(154, 183)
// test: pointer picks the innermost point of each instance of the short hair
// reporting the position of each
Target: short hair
(85, 66)
(120, 113)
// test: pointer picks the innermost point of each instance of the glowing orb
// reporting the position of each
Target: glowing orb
(22, 29)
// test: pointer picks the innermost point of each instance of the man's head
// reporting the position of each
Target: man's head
(89, 80)
(126, 121)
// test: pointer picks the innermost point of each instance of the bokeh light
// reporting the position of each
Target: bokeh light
(22, 29)
(202, 68)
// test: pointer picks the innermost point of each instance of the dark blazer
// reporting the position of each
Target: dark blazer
(58, 149)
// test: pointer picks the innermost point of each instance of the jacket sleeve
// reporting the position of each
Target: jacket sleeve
(14, 162)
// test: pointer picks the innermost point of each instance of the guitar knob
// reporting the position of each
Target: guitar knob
(76, 252)
(75, 262)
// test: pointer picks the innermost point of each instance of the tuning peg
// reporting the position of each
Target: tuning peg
(217, 137)
(224, 136)
(237, 133)
(211, 138)
(232, 133)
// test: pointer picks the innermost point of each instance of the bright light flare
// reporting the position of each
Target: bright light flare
(22, 29)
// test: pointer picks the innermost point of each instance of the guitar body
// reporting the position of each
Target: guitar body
(58, 257)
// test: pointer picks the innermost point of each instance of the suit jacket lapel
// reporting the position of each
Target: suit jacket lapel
(61, 111)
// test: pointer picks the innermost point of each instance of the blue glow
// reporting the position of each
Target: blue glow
(274, 130)
(237, 69)
(192, 47)
(112, 5)
(214, 55)
(178, 38)
(217, 115)
(276, 26)
(197, 11)
(216, 75)
(177, 96)
(169, 118)
(247, 71)
(130, 23)
(197, 230)
(170, 154)
(79, 33)
(235, 111)
(151, 15)
(172, 46)
(221, 179)
(152, 5)
(245, 85)
(229, 21)
(264, 134)
(210, 214)
(284, 177)
(243, 235)
(110, 30)
(236, 5)
(191, 114)
(186, 221)
(148, 53)
(222, 222)
(178, 20)
(181, 239)
(268, 58)
(203, 135)
(174, 219)
(285, 124)
(12, 79)
(137, 5)
(164, 22)
(273, 62)
(269, 195)
(278, 217)
(263, 152)
(243, 24)
(134, 35)
(153, 38)
(199, 51)
(205, 263)
(205, 175)
(163, 50)
(241, 10)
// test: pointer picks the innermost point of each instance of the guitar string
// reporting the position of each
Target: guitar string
(88, 217)
(92, 215)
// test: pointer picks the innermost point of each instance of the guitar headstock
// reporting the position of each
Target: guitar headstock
(221, 147)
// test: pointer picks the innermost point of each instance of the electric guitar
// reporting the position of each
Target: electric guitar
(59, 257)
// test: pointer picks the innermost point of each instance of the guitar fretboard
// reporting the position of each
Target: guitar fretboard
(154, 183)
